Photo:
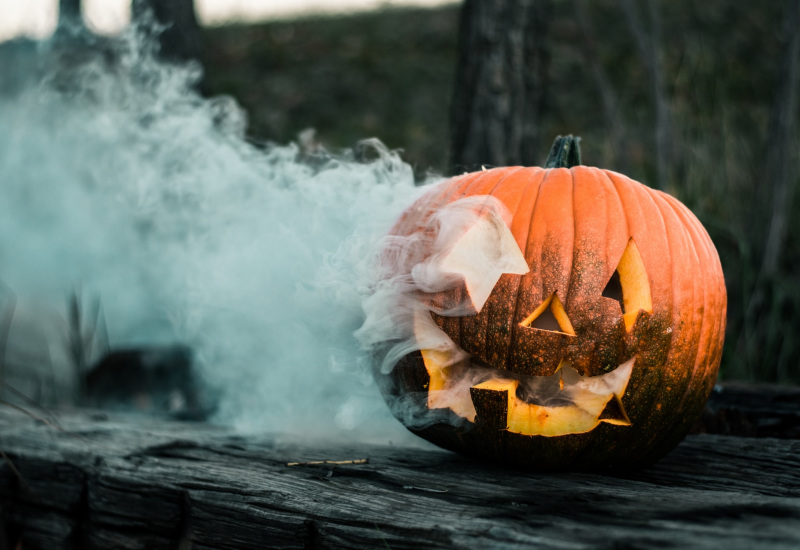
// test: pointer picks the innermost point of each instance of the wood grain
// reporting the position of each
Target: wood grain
(132, 482)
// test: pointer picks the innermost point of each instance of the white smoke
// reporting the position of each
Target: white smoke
(117, 178)
(444, 259)
(411, 279)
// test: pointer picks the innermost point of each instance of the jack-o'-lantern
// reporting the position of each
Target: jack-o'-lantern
(577, 321)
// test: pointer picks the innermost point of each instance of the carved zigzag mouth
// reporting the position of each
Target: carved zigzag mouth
(562, 403)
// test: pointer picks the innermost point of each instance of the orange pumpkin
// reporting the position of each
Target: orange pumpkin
(581, 328)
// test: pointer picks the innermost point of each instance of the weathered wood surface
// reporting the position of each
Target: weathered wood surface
(127, 482)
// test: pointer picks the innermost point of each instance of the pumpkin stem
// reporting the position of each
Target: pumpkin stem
(565, 152)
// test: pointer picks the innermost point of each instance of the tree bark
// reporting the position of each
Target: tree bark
(180, 40)
(500, 84)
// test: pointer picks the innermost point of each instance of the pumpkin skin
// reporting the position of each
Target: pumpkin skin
(573, 227)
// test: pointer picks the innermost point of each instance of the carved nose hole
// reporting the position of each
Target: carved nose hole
(546, 321)
(550, 315)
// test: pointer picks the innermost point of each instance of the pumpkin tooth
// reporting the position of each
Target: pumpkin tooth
(615, 413)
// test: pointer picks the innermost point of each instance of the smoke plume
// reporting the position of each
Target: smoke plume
(119, 180)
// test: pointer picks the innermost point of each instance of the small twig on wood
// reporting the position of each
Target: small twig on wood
(28, 400)
(40, 419)
(16, 472)
(334, 462)
(427, 489)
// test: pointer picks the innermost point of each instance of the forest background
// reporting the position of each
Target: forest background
(698, 99)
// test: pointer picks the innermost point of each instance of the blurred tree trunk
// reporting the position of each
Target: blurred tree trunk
(781, 151)
(615, 153)
(69, 12)
(180, 40)
(500, 84)
(648, 40)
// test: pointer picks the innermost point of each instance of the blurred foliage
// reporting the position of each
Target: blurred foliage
(389, 74)
(385, 74)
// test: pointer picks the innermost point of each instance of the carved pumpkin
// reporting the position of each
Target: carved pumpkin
(582, 331)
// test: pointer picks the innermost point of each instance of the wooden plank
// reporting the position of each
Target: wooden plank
(134, 482)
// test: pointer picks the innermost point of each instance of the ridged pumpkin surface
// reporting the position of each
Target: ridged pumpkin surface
(574, 227)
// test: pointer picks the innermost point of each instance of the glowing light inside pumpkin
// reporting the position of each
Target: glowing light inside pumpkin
(578, 401)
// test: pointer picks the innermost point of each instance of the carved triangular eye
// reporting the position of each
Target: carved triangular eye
(550, 315)
(630, 285)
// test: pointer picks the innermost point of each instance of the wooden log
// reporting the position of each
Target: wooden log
(752, 411)
(131, 482)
